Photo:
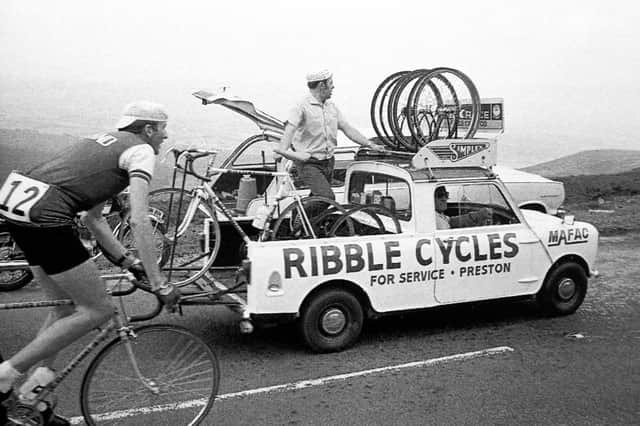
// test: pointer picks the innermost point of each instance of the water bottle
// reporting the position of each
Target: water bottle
(246, 192)
(40, 378)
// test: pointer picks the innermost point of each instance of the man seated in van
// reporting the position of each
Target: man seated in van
(477, 218)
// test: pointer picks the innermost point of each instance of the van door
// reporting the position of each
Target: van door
(487, 253)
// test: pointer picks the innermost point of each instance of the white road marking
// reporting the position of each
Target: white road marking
(299, 385)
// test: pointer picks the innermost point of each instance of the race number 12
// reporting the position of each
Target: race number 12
(18, 195)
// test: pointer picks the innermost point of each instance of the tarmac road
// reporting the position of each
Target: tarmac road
(574, 370)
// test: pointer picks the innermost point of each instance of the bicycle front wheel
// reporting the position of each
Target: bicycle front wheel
(192, 234)
(178, 380)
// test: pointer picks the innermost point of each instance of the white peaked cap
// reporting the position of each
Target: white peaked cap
(318, 75)
(142, 110)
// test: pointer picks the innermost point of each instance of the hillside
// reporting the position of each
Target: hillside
(21, 149)
(594, 162)
(592, 187)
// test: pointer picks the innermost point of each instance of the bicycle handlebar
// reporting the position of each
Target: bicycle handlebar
(191, 154)
(137, 284)
(248, 172)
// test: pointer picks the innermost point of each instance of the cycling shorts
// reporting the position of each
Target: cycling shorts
(55, 249)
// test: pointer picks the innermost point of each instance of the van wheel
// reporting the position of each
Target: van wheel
(331, 321)
(564, 289)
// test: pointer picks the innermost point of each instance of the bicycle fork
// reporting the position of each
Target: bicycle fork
(127, 334)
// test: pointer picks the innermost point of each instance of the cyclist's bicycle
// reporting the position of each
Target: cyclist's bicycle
(192, 216)
(162, 372)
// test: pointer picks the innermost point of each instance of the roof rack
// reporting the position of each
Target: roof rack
(386, 155)
(446, 173)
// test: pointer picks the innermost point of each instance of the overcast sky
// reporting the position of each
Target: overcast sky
(569, 67)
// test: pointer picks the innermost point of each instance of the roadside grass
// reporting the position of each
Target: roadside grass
(611, 216)
(610, 202)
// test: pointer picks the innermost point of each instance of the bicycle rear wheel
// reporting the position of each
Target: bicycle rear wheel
(321, 211)
(162, 246)
(12, 279)
(367, 219)
(181, 375)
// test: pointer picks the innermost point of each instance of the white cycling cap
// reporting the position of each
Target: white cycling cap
(142, 110)
(319, 75)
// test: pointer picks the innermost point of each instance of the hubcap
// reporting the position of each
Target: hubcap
(333, 321)
(566, 289)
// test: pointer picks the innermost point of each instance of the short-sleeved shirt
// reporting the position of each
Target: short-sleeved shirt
(316, 126)
(88, 173)
(442, 221)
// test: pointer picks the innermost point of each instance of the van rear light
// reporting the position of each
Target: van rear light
(274, 284)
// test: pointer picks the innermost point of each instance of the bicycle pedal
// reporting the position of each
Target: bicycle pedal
(25, 414)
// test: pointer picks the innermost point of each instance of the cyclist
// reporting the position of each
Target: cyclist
(40, 206)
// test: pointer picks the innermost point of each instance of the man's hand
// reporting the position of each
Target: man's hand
(137, 269)
(169, 296)
(377, 147)
(291, 155)
(484, 216)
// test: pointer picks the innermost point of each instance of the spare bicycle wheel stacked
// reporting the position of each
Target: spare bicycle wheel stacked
(409, 109)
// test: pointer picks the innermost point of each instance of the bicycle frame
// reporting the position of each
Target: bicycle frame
(205, 193)
(118, 322)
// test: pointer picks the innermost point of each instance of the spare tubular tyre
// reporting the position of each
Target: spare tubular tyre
(392, 110)
(434, 127)
(379, 108)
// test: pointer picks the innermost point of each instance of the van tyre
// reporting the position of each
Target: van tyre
(564, 289)
(331, 321)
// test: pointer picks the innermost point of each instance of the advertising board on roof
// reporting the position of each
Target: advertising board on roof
(491, 115)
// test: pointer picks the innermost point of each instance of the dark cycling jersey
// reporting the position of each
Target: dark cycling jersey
(88, 173)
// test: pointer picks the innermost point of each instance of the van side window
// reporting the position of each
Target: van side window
(375, 188)
(480, 204)
(258, 154)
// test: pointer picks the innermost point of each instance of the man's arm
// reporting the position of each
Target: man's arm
(143, 231)
(284, 149)
(97, 224)
(355, 135)
(478, 218)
